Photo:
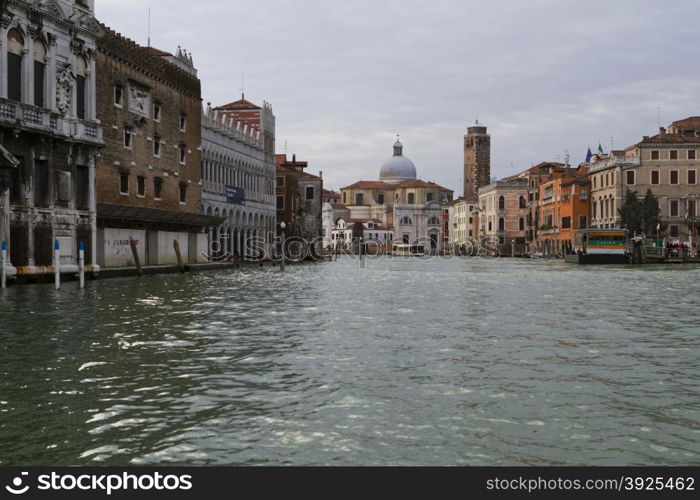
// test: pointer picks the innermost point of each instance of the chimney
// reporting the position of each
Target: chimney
(662, 131)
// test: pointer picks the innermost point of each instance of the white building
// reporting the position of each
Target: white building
(238, 184)
(374, 233)
(411, 208)
(49, 133)
(462, 216)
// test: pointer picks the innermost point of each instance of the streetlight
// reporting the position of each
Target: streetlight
(512, 248)
(282, 227)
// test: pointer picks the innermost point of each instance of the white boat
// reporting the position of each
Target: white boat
(406, 250)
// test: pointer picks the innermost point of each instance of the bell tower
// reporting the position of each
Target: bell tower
(477, 160)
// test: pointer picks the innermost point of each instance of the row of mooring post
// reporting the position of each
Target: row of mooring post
(56, 263)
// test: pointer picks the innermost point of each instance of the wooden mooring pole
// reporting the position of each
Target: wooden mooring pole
(176, 246)
(135, 254)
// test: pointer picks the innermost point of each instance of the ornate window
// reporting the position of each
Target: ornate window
(406, 221)
(15, 52)
(80, 79)
(433, 221)
(39, 73)
(139, 100)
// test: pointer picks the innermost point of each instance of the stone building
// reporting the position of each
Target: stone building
(477, 161)
(411, 208)
(607, 189)
(49, 133)
(238, 184)
(257, 118)
(503, 213)
(149, 175)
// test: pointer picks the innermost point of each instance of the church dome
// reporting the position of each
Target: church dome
(398, 168)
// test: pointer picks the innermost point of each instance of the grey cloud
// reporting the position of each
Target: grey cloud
(344, 77)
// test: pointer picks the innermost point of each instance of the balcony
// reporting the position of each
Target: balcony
(549, 231)
(627, 161)
(28, 117)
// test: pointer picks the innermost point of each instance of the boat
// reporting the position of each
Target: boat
(599, 246)
(406, 250)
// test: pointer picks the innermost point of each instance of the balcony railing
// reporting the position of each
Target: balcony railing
(41, 119)
(613, 162)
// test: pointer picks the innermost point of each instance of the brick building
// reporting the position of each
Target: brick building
(49, 134)
(307, 222)
(148, 176)
(288, 198)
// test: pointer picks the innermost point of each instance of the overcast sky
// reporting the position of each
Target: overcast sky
(344, 77)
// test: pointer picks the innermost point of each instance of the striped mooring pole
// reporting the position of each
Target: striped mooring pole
(82, 263)
(57, 263)
(3, 278)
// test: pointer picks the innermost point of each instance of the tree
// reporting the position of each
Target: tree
(651, 213)
(631, 212)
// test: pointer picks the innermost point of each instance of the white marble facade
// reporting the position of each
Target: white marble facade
(233, 156)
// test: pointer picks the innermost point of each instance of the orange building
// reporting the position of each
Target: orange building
(564, 207)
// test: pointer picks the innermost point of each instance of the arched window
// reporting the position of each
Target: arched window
(433, 221)
(594, 209)
(15, 50)
(359, 199)
(406, 221)
(39, 73)
(523, 204)
(521, 224)
(80, 78)
(411, 198)
(501, 224)
(501, 202)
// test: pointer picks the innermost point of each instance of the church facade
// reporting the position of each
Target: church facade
(409, 208)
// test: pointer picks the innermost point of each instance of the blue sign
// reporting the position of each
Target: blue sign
(235, 195)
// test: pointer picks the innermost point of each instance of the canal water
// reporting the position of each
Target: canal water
(402, 362)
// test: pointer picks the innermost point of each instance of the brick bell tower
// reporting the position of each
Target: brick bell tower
(477, 160)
